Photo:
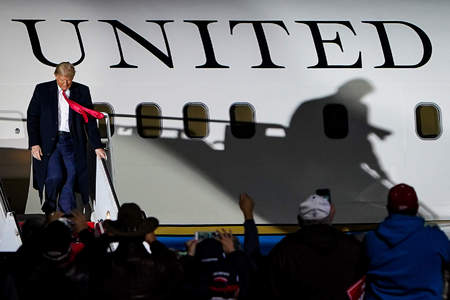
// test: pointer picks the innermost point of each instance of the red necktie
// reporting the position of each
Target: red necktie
(82, 110)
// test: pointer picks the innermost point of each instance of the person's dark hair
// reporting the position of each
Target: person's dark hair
(209, 249)
(32, 227)
(130, 217)
(56, 241)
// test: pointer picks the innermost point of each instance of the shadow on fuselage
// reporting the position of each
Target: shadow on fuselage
(281, 171)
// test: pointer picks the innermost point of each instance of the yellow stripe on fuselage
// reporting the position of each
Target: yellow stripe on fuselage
(235, 229)
(268, 229)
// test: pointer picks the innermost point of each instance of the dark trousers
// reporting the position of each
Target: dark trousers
(61, 176)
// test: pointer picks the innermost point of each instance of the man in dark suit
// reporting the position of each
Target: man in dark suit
(57, 138)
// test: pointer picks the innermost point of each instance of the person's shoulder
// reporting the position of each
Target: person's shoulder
(287, 241)
(80, 86)
(437, 239)
(47, 84)
(348, 238)
(292, 237)
(81, 90)
(280, 245)
(237, 256)
(436, 232)
(370, 235)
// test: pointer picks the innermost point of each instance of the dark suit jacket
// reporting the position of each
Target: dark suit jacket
(42, 124)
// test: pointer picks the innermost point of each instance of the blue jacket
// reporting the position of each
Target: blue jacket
(406, 259)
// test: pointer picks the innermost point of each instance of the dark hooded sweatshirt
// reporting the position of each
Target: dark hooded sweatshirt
(317, 262)
(406, 259)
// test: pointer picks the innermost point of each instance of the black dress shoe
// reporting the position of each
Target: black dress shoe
(48, 208)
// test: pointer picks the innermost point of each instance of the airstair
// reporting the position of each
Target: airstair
(10, 239)
(105, 205)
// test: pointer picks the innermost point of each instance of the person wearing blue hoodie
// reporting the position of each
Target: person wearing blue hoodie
(406, 258)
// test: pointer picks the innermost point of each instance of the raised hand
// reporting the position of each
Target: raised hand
(247, 205)
(226, 239)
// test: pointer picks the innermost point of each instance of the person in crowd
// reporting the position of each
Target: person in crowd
(57, 123)
(47, 265)
(252, 248)
(216, 269)
(131, 271)
(251, 240)
(406, 258)
(8, 289)
(316, 262)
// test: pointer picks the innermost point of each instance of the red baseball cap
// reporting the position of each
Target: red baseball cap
(402, 198)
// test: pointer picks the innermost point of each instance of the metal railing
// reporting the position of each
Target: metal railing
(106, 204)
(4, 204)
(10, 238)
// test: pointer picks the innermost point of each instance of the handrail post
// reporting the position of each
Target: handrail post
(108, 142)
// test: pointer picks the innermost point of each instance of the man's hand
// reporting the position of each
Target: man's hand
(101, 153)
(54, 216)
(79, 221)
(36, 151)
(246, 204)
(226, 239)
(191, 246)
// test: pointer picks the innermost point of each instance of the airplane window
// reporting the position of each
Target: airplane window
(148, 120)
(245, 113)
(335, 121)
(195, 117)
(428, 121)
(106, 108)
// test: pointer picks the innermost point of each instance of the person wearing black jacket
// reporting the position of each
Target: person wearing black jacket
(316, 262)
(215, 269)
(132, 271)
(48, 265)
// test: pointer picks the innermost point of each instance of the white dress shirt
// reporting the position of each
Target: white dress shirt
(63, 111)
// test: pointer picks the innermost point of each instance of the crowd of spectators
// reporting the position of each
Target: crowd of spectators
(62, 258)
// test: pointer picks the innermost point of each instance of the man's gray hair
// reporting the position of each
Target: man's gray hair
(65, 69)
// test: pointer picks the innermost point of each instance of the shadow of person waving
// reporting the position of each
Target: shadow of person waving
(330, 137)
(327, 145)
